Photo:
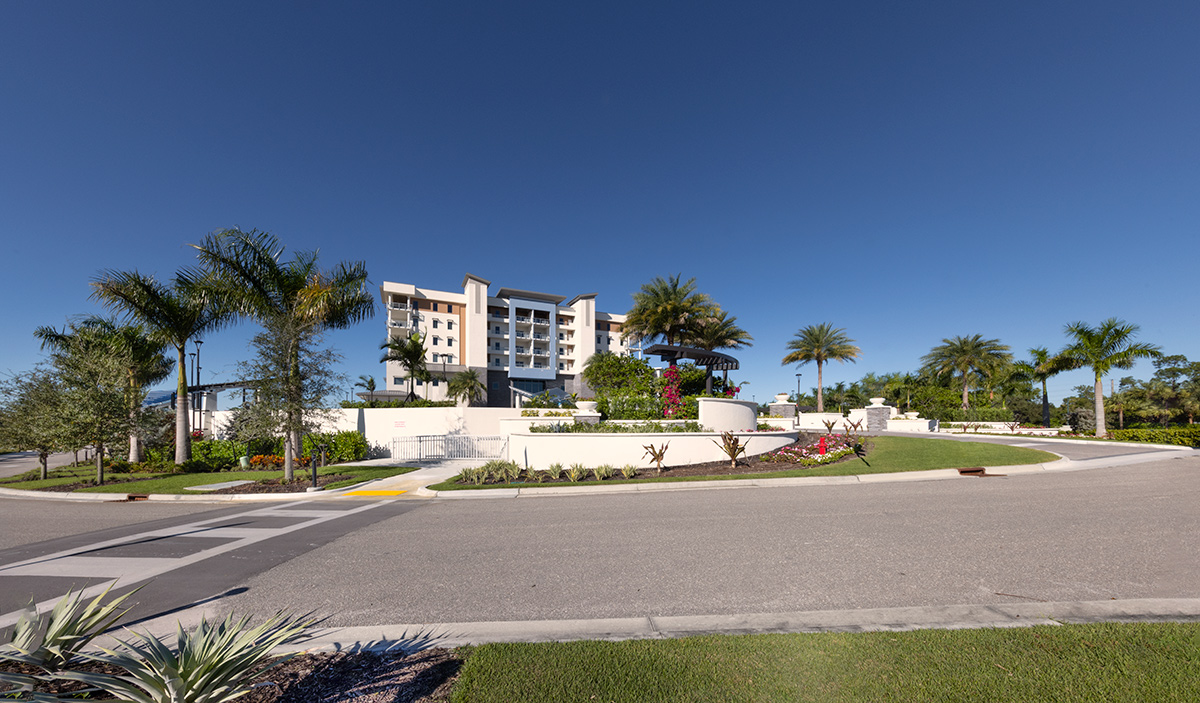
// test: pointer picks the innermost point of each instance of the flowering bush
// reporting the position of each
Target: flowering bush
(670, 394)
(274, 461)
(836, 447)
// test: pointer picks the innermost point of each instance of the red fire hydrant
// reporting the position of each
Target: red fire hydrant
(821, 446)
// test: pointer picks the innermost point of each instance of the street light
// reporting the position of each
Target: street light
(798, 393)
(199, 412)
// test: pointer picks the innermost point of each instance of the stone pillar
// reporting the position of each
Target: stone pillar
(877, 416)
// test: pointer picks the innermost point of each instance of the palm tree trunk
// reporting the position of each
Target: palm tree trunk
(288, 467)
(183, 438)
(820, 390)
(1101, 425)
(1045, 406)
(966, 401)
(708, 380)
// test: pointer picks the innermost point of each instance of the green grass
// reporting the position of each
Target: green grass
(888, 455)
(177, 483)
(1095, 662)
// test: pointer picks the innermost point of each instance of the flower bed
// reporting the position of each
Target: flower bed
(811, 454)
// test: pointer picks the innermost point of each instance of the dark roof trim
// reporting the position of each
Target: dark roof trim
(529, 295)
(709, 359)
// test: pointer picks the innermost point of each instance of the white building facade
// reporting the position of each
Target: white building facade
(515, 339)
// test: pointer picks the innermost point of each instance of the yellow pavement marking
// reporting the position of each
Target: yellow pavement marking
(374, 493)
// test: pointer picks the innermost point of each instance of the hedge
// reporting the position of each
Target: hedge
(1188, 436)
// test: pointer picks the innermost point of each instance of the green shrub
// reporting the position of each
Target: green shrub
(970, 415)
(195, 466)
(629, 471)
(621, 405)
(576, 473)
(554, 471)
(1188, 436)
(343, 446)
(220, 454)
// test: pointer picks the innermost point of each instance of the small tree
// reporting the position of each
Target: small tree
(32, 408)
(292, 375)
(409, 352)
(604, 372)
(821, 343)
(367, 383)
(1105, 347)
(466, 387)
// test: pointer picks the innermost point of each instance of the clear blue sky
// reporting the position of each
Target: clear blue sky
(907, 171)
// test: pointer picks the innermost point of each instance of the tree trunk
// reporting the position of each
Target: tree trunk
(1045, 406)
(1121, 417)
(708, 380)
(288, 466)
(99, 463)
(1101, 425)
(44, 457)
(183, 437)
(966, 402)
(820, 391)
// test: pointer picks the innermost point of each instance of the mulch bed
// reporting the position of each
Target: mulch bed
(321, 677)
(745, 467)
(303, 481)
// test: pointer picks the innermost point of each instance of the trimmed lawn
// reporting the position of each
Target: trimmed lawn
(1094, 662)
(889, 454)
(177, 483)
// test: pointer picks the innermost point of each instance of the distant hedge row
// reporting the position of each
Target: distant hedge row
(1188, 436)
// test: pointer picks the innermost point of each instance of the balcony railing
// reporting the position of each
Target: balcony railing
(540, 321)
(522, 318)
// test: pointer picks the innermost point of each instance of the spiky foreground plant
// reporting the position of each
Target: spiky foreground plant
(69, 627)
(212, 664)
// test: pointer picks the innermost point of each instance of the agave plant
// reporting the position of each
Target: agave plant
(554, 471)
(212, 664)
(604, 471)
(70, 626)
(629, 471)
(576, 472)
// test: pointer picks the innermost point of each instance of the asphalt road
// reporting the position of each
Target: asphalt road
(1117, 533)
(1114, 533)
(15, 463)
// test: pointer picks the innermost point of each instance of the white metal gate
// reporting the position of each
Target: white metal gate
(440, 446)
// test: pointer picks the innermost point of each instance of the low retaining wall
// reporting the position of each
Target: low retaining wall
(539, 450)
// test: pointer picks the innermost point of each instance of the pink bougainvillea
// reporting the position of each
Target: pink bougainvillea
(672, 402)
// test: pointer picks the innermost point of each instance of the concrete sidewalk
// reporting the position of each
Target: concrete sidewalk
(414, 637)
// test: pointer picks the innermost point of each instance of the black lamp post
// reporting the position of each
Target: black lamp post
(798, 394)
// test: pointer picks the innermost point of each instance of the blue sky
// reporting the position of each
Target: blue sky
(907, 171)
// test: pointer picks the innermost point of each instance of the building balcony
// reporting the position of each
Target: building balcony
(540, 322)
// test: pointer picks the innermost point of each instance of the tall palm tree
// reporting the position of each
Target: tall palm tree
(1041, 366)
(718, 331)
(466, 386)
(1105, 347)
(244, 273)
(367, 383)
(966, 356)
(409, 352)
(171, 314)
(821, 343)
(666, 308)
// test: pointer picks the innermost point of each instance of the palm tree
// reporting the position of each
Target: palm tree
(1103, 348)
(466, 387)
(667, 309)
(367, 383)
(295, 299)
(966, 356)
(410, 353)
(718, 331)
(1040, 367)
(821, 343)
(172, 315)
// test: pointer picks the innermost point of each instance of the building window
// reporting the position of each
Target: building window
(449, 307)
(597, 340)
(560, 367)
(449, 358)
(435, 383)
(560, 336)
(449, 324)
(520, 364)
(496, 362)
(497, 330)
(434, 358)
(420, 382)
(396, 380)
(610, 340)
(449, 341)
(433, 307)
(435, 324)
(438, 340)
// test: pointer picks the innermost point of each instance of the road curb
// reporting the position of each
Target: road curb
(409, 637)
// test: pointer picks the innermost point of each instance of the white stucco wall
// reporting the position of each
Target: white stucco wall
(539, 450)
(727, 414)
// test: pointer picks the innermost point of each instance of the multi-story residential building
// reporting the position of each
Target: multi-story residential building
(518, 341)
